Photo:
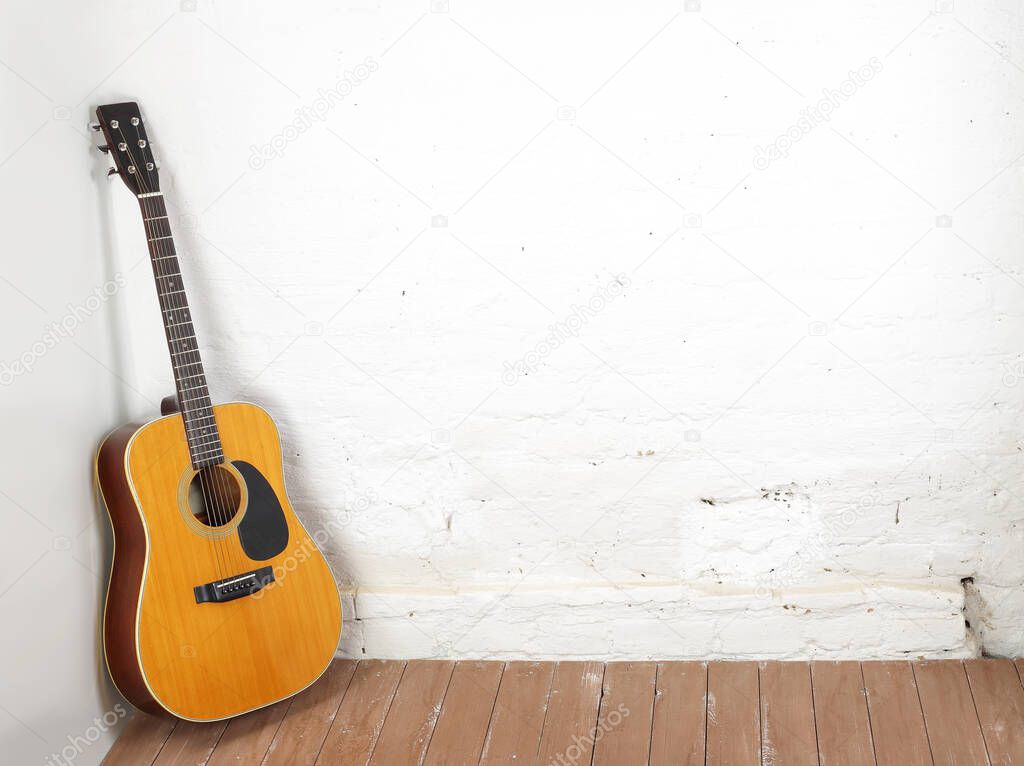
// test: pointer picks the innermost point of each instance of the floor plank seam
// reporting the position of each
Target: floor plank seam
(920, 704)
(437, 715)
(494, 706)
(867, 706)
(760, 720)
(654, 707)
(213, 749)
(156, 755)
(547, 709)
(814, 715)
(707, 695)
(597, 718)
(280, 723)
(384, 720)
(341, 699)
(984, 737)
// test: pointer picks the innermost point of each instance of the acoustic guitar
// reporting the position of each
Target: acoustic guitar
(219, 601)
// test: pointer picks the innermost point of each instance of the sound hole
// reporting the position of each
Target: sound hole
(214, 496)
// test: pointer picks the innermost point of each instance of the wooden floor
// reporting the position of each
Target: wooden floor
(947, 713)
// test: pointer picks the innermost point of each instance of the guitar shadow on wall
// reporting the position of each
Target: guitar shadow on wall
(117, 327)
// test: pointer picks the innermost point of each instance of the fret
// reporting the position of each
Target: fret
(205, 439)
(195, 413)
(179, 324)
(214, 458)
(157, 227)
(154, 239)
(186, 377)
(213, 451)
(173, 292)
(210, 449)
(164, 257)
(196, 427)
(197, 398)
(203, 431)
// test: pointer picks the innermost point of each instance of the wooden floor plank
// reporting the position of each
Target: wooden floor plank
(462, 725)
(572, 713)
(841, 714)
(680, 710)
(513, 735)
(999, 699)
(951, 720)
(787, 714)
(945, 713)
(304, 728)
(190, 743)
(734, 714)
(140, 742)
(623, 733)
(410, 722)
(246, 738)
(358, 722)
(897, 720)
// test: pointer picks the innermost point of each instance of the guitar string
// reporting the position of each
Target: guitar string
(210, 496)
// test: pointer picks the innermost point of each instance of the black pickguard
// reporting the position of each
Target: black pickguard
(263, 530)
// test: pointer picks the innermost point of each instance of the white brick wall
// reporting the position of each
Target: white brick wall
(808, 345)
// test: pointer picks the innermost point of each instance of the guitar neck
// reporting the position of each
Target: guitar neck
(204, 444)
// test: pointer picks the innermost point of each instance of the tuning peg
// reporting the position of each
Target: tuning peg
(95, 126)
(112, 172)
(104, 148)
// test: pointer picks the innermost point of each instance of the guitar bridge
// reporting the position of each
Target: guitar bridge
(234, 587)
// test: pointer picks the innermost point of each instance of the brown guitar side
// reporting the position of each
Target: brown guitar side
(123, 589)
(206, 661)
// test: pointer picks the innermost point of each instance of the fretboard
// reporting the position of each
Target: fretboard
(190, 380)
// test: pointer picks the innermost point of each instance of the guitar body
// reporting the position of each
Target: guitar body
(265, 620)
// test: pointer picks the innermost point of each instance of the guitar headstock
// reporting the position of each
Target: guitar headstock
(128, 146)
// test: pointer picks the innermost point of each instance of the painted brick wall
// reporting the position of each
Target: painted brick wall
(663, 329)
